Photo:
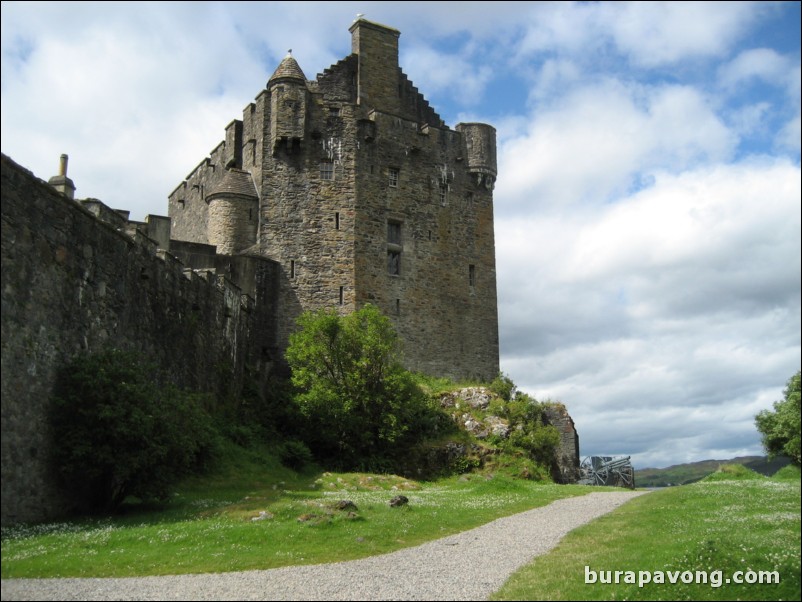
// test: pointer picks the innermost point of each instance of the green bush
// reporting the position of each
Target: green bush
(118, 432)
(357, 399)
(294, 454)
(781, 428)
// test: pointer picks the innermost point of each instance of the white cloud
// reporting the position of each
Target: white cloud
(649, 34)
(435, 73)
(658, 33)
(763, 64)
(590, 144)
(656, 318)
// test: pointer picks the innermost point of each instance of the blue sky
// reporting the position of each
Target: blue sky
(648, 200)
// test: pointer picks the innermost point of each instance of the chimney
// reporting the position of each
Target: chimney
(378, 80)
(61, 182)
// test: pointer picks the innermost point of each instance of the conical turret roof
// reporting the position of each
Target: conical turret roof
(235, 182)
(288, 69)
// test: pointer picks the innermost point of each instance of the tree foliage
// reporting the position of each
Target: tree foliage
(118, 432)
(780, 428)
(360, 403)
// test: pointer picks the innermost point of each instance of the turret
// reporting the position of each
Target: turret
(480, 149)
(288, 105)
(233, 213)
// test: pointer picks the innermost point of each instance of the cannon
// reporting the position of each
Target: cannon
(614, 471)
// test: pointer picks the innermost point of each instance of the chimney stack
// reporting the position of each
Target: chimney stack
(61, 182)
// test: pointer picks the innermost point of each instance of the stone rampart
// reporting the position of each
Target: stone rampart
(72, 282)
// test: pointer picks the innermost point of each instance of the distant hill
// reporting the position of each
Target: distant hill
(682, 474)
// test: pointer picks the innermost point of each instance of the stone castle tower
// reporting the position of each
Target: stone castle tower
(354, 185)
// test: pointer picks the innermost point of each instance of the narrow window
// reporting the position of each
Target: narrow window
(337, 220)
(443, 194)
(430, 235)
(326, 170)
(250, 215)
(393, 263)
(341, 294)
(398, 307)
(394, 233)
(292, 268)
(393, 177)
(394, 248)
(472, 275)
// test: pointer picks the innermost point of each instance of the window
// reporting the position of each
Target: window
(393, 177)
(337, 220)
(326, 170)
(292, 268)
(394, 248)
(394, 263)
(443, 194)
(394, 233)
(342, 291)
(472, 275)
(334, 111)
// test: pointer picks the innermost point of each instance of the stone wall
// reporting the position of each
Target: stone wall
(73, 283)
(327, 204)
(566, 469)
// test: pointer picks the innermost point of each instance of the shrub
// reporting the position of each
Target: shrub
(780, 428)
(117, 432)
(294, 454)
(357, 399)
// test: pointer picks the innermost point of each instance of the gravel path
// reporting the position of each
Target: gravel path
(467, 566)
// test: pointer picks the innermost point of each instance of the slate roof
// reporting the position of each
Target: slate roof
(288, 69)
(235, 182)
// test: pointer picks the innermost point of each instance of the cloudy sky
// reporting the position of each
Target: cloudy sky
(648, 199)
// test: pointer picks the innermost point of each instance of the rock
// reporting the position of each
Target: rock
(263, 515)
(345, 505)
(399, 500)
(476, 397)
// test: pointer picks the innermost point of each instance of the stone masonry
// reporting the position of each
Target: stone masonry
(337, 192)
(354, 185)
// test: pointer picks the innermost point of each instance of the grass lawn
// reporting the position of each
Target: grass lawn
(735, 524)
(281, 518)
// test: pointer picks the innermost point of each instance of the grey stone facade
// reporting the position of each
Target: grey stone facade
(362, 195)
(337, 192)
(78, 276)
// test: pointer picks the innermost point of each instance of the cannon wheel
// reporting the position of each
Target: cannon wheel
(627, 476)
(590, 474)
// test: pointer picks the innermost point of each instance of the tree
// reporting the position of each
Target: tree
(780, 428)
(360, 403)
(117, 432)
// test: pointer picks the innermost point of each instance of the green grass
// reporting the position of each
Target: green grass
(209, 525)
(734, 520)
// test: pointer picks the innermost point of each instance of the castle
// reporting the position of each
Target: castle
(356, 187)
(337, 192)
